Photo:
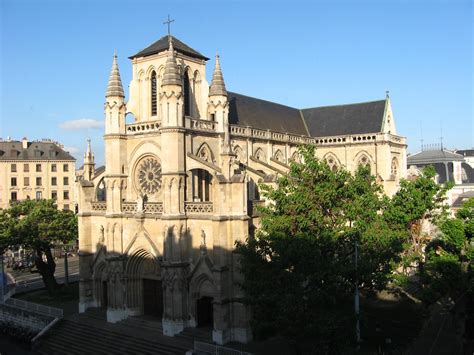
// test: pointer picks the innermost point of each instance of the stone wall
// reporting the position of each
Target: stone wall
(23, 318)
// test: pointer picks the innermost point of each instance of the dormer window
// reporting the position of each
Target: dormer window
(154, 110)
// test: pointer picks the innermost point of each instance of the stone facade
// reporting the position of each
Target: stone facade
(157, 228)
(36, 170)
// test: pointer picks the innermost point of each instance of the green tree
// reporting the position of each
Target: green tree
(38, 225)
(299, 270)
(416, 202)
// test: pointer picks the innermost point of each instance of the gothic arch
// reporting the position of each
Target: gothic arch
(296, 157)
(239, 153)
(137, 244)
(260, 154)
(101, 191)
(136, 155)
(205, 153)
(149, 71)
(100, 281)
(278, 156)
(394, 168)
(332, 161)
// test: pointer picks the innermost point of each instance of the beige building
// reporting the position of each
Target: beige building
(157, 228)
(36, 170)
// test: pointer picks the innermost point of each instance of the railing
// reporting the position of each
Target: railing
(198, 207)
(143, 127)
(297, 139)
(129, 207)
(202, 125)
(153, 208)
(207, 348)
(34, 307)
(99, 206)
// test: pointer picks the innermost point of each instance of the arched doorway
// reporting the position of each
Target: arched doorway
(144, 287)
(100, 285)
(205, 312)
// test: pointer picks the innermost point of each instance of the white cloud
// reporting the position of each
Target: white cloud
(72, 150)
(82, 123)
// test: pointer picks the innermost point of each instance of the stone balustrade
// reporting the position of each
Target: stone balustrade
(318, 141)
(142, 127)
(198, 207)
(100, 206)
(201, 125)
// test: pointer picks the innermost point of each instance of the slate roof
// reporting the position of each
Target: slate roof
(433, 156)
(466, 152)
(45, 150)
(463, 198)
(162, 45)
(358, 118)
(256, 113)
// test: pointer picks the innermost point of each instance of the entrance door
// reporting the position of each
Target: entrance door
(105, 295)
(205, 312)
(152, 298)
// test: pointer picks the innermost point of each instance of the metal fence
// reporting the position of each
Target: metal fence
(34, 307)
(217, 349)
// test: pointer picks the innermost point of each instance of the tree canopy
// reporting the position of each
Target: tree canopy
(299, 268)
(38, 225)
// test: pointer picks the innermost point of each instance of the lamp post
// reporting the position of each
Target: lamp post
(66, 266)
(356, 295)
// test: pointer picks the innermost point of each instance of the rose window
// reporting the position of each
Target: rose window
(149, 176)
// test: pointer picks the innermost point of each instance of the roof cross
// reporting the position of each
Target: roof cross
(168, 22)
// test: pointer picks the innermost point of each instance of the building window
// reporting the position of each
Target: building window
(65, 181)
(13, 181)
(38, 168)
(65, 167)
(201, 185)
(26, 168)
(394, 168)
(38, 181)
(54, 181)
(66, 195)
(53, 168)
(13, 196)
(54, 195)
(187, 99)
(26, 181)
(13, 168)
(153, 94)
(39, 195)
(66, 207)
(38, 153)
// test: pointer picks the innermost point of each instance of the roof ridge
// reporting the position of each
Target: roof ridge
(350, 104)
(256, 98)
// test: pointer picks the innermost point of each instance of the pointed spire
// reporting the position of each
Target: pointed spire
(387, 94)
(171, 75)
(89, 156)
(115, 88)
(217, 85)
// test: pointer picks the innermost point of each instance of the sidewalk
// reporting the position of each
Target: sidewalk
(442, 332)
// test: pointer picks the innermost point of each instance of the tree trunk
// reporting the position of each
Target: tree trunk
(46, 269)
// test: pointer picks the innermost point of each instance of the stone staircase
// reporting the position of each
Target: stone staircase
(199, 334)
(89, 333)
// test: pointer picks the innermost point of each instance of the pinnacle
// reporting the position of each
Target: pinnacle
(217, 85)
(115, 88)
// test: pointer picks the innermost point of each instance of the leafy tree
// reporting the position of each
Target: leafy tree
(38, 225)
(299, 269)
(416, 202)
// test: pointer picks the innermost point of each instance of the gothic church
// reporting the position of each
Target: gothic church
(158, 225)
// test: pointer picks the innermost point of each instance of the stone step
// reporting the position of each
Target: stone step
(69, 337)
(144, 323)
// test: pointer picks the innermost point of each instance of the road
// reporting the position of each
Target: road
(27, 281)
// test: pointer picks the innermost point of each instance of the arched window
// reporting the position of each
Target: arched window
(101, 191)
(187, 98)
(364, 161)
(259, 154)
(279, 156)
(201, 185)
(332, 162)
(154, 109)
(296, 157)
(239, 153)
(394, 168)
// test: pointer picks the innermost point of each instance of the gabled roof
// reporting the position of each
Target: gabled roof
(366, 117)
(162, 45)
(261, 114)
(13, 150)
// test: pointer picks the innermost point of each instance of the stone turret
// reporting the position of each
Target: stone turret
(171, 97)
(217, 87)
(115, 102)
(89, 164)
(115, 88)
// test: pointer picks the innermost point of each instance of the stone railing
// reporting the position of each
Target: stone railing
(100, 206)
(198, 207)
(201, 125)
(296, 139)
(153, 208)
(129, 207)
(35, 307)
(142, 127)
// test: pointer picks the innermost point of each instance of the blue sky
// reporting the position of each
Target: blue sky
(56, 57)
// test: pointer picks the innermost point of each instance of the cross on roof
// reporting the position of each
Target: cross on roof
(168, 22)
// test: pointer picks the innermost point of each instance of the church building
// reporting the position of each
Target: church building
(158, 226)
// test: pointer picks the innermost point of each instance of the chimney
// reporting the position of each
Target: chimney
(24, 143)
